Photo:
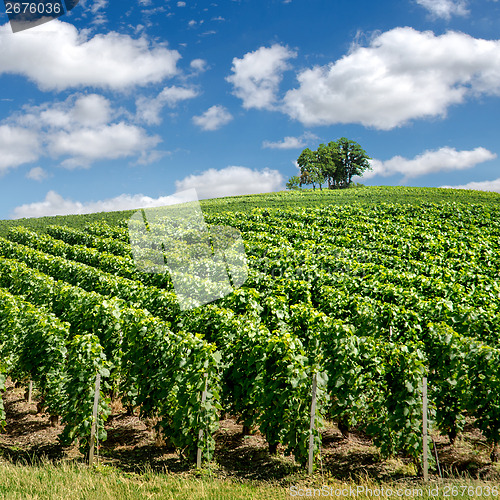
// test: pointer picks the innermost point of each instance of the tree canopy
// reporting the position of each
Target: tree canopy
(333, 164)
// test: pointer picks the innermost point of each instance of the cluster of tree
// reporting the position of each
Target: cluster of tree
(333, 164)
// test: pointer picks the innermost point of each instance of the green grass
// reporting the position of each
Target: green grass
(372, 195)
(69, 481)
(79, 482)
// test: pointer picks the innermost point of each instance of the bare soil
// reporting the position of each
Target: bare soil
(134, 446)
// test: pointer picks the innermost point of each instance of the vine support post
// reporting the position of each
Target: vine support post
(311, 425)
(30, 391)
(200, 432)
(94, 418)
(424, 425)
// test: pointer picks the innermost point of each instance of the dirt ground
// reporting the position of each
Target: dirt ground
(133, 446)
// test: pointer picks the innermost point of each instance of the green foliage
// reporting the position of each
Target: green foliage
(370, 296)
(398, 421)
(335, 163)
(293, 182)
(165, 374)
(33, 342)
(86, 358)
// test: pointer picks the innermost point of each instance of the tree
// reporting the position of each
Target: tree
(306, 163)
(352, 160)
(317, 175)
(326, 158)
(305, 179)
(334, 163)
(310, 169)
(293, 183)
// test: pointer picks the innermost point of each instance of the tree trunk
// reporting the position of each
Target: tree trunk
(273, 449)
(494, 452)
(344, 429)
(452, 435)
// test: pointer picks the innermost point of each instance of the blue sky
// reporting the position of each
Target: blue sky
(120, 104)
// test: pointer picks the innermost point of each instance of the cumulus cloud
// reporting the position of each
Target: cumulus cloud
(56, 56)
(80, 130)
(232, 181)
(402, 75)
(17, 146)
(37, 174)
(445, 8)
(148, 110)
(442, 160)
(213, 118)
(257, 75)
(55, 204)
(291, 142)
(493, 185)
(78, 110)
(199, 65)
(113, 141)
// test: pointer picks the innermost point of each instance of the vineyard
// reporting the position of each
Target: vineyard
(361, 300)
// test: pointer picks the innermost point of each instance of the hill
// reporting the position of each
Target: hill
(352, 298)
(362, 195)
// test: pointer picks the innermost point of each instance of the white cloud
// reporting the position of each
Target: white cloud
(442, 160)
(17, 146)
(77, 110)
(37, 174)
(55, 204)
(445, 8)
(181, 4)
(290, 142)
(402, 75)
(85, 146)
(232, 181)
(56, 56)
(256, 77)
(493, 185)
(213, 118)
(199, 65)
(148, 110)
(80, 131)
(172, 95)
(98, 5)
(92, 109)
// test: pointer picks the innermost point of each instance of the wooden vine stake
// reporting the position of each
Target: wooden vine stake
(30, 391)
(311, 425)
(200, 433)
(94, 418)
(424, 423)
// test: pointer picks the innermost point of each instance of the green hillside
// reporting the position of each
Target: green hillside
(284, 199)
(348, 298)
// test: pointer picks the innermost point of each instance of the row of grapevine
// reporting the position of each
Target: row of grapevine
(428, 294)
(137, 355)
(35, 344)
(160, 302)
(367, 302)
